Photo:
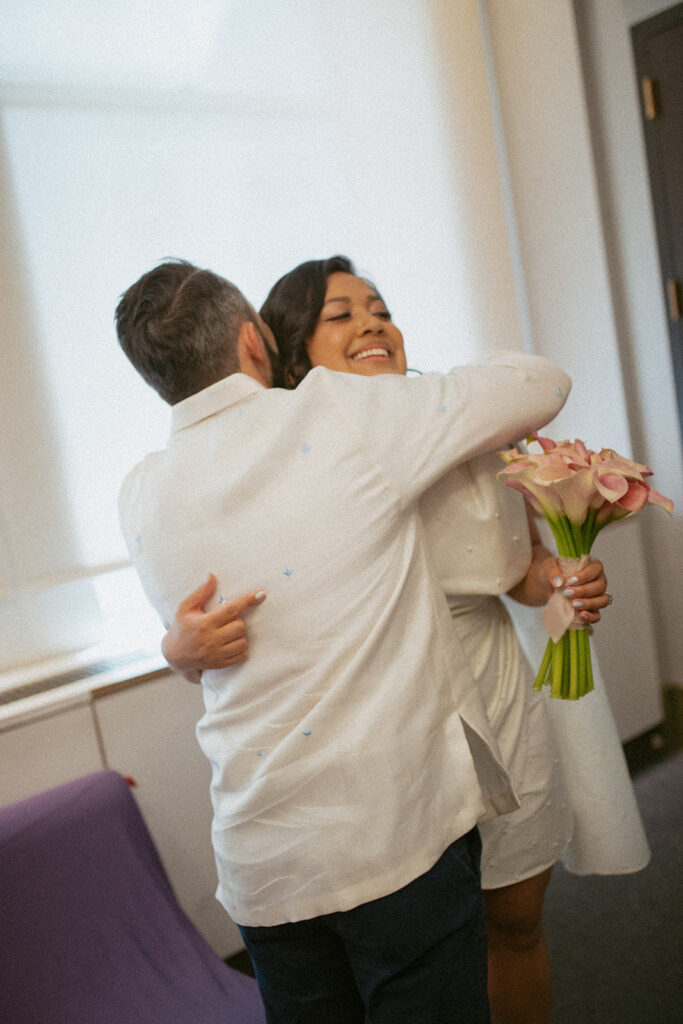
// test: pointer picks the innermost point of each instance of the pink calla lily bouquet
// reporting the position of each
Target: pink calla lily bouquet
(578, 492)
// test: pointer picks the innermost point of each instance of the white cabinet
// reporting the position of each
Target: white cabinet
(148, 732)
(44, 750)
(144, 729)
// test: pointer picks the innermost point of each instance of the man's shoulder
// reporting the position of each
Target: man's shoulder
(131, 481)
(342, 384)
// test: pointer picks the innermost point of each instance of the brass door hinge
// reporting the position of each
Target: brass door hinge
(649, 100)
(673, 297)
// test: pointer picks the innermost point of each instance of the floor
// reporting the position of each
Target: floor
(617, 942)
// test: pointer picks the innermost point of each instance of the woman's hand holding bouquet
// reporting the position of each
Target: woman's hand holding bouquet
(578, 492)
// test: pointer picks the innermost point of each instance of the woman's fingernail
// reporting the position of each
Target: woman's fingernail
(574, 579)
(259, 595)
(577, 604)
(557, 581)
(568, 593)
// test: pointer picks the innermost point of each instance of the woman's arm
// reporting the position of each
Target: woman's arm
(198, 640)
(587, 590)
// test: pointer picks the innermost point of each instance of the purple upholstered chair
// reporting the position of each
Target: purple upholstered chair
(90, 931)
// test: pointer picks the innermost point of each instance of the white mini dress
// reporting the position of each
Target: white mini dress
(478, 538)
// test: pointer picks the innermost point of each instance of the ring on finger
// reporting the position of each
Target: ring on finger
(609, 597)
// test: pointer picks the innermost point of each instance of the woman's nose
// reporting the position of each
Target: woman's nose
(370, 323)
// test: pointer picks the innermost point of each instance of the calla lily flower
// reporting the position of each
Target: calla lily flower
(655, 498)
(576, 493)
(610, 485)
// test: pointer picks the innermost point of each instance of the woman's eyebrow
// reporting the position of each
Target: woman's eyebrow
(373, 297)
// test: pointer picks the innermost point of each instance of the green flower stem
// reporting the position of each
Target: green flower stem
(542, 674)
(557, 669)
(562, 532)
(573, 665)
(577, 538)
(590, 530)
(588, 667)
(566, 665)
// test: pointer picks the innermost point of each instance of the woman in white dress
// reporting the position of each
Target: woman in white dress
(483, 545)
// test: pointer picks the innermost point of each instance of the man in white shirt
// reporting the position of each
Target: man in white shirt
(351, 754)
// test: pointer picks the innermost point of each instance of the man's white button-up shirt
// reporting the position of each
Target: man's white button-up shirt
(352, 747)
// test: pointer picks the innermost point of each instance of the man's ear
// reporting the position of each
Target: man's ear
(254, 359)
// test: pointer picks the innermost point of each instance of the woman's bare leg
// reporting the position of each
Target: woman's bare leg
(519, 966)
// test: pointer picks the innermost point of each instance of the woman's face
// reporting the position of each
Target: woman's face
(354, 333)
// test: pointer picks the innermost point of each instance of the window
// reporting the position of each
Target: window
(224, 131)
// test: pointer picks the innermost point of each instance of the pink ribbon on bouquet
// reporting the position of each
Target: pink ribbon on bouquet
(559, 614)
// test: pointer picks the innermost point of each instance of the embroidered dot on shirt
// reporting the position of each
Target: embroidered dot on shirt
(307, 732)
(305, 448)
(288, 572)
(559, 391)
(221, 600)
(260, 753)
(442, 408)
(138, 538)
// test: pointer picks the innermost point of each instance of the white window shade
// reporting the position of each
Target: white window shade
(97, 187)
(243, 135)
(246, 48)
(95, 210)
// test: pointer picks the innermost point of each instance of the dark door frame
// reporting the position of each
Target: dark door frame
(662, 112)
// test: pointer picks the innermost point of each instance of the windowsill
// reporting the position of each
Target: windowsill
(71, 680)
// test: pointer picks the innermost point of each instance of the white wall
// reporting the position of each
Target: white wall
(565, 269)
(639, 308)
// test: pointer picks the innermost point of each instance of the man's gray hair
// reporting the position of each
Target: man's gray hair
(179, 326)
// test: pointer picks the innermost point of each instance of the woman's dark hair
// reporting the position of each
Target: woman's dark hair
(293, 308)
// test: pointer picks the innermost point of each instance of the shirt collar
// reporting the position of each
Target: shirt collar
(213, 399)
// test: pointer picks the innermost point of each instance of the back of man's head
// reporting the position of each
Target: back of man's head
(179, 327)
